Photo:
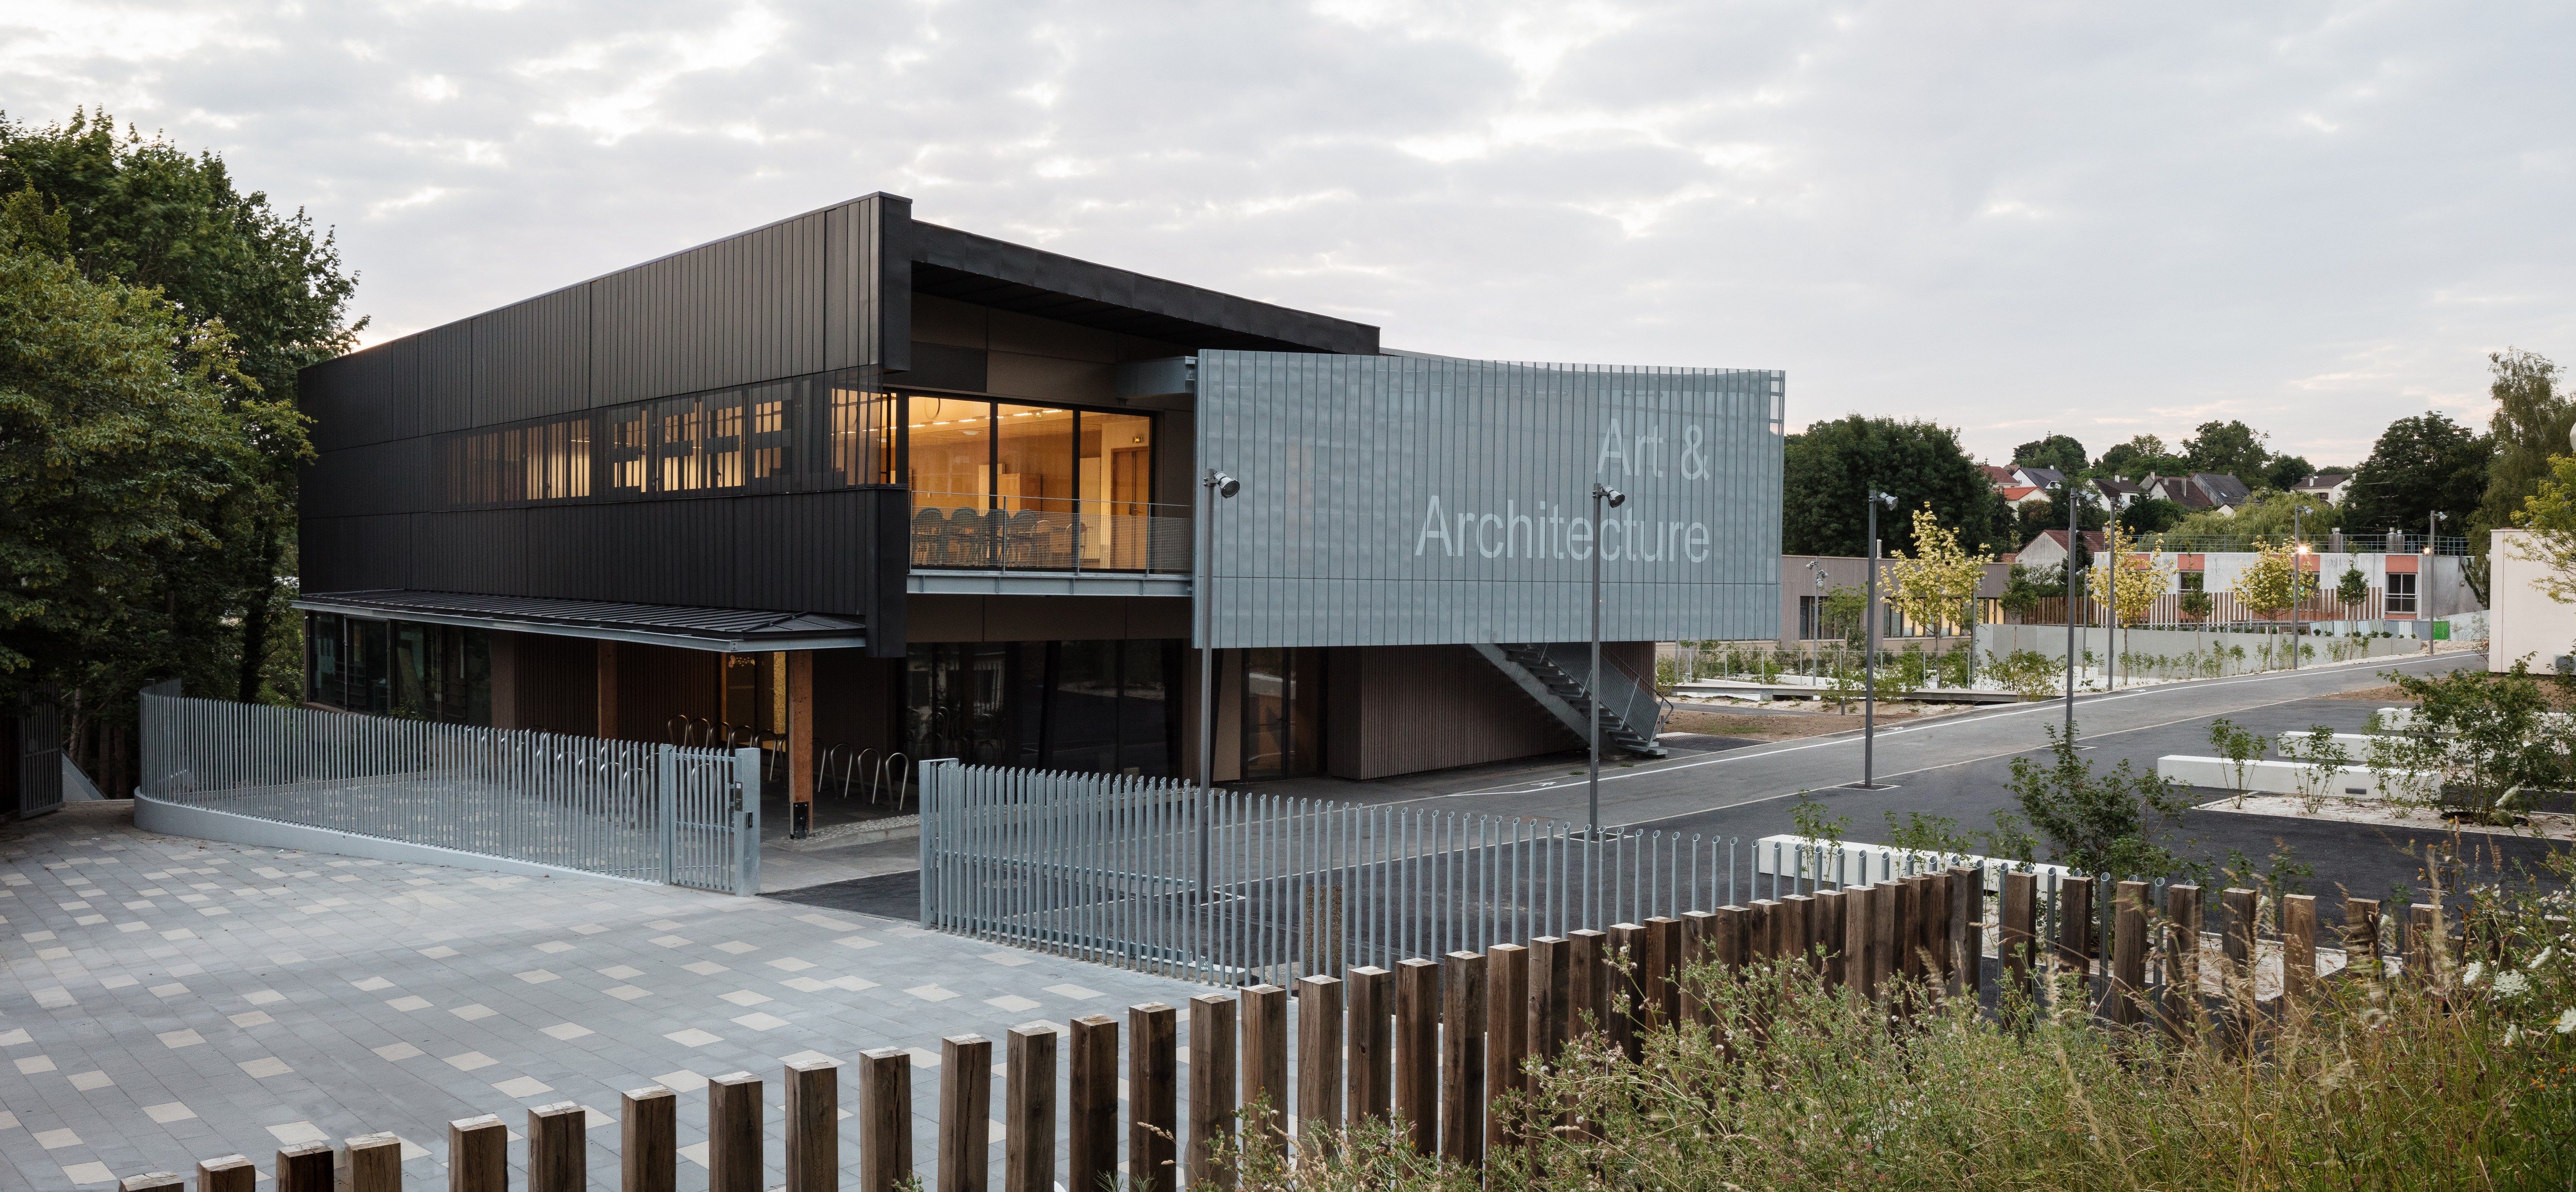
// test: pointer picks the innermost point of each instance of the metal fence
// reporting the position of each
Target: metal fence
(1231, 888)
(657, 813)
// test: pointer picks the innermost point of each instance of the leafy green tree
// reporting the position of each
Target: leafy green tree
(2231, 448)
(2148, 515)
(2269, 514)
(2284, 473)
(142, 212)
(2419, 465)
(2484, 738)
(2530, 425)
(2037, 517)
(2352, 589)
(1830, 468)
(133, 453)
(2113, 822)
(2142, 455)
(2061, 452)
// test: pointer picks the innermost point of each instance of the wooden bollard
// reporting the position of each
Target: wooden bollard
(1883, 935)
(1153, 1097)
(1907, 962)
(2239, 942)
(733, 1133)
(2424, 943)
(648, 1142)
(1825, 926)
(2075, 924)
(1663, 970)
(1264, 1013)
(375, 1163)
(1319, 1063)
(1936, 928)
(478, 1156)
(1795, 927)
(1091, 1103)
(1028, 1100)
(1857, 902)
(1550, 990)
(1462, 1058)
(2180, 1006)
(2298, 947)
(966, 1113)
(156, 1181)
(1417, 1051)
(1762, 931)
(558, 1148)
(813, 1142)
(1371, 993)
(1212, 1043)
(236, 1173)
(2017, 932)
(305, 1167)
(1730, 947)
(1967, 931)
(1506, 1032)
(2361, 933)
(1699, 942)
(885, 1120)
(2124, 1004)
(1588, 981)
(1624, 1012)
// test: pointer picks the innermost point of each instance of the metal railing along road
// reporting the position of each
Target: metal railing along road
(1107, 868)
(657, 813)
(988, 533)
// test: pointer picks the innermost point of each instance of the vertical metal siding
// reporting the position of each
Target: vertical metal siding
(532, 359)
(447, 378)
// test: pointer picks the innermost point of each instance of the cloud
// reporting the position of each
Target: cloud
(2009, 218)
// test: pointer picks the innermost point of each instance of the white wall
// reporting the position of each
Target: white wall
(2524, 620)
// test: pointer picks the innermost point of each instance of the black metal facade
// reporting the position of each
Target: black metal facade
(826, 292)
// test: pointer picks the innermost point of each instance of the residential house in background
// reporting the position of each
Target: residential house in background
(2116, 495)
(2329, 487)
(2038, 477)
(2000, 478)
(2199, 491)
(2049, 549)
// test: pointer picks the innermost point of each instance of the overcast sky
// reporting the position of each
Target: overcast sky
(2014, 219)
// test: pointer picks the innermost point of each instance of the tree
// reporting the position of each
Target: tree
(2061, 452)
(132, 453)
(2142, 455)
(1934, 585)
(1829, 469)
(2269, 514)
(2530, 426)
(2284, 473)
(2270, 585)
(143, 212)
(2419, 465)
(2483, 738)
(2231, 448)
(2149, 515)
(2550, 515)
(2137, 577)
(2352, 589)
(2038, 517)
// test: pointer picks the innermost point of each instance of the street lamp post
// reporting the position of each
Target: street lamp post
(2074, 540)
(2298, 577)
(1216, 486)
(1869, 653)
(2423, 589)
(1601, 494)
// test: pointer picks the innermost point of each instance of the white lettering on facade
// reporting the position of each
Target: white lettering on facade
(1433, 526)
(1613, 446)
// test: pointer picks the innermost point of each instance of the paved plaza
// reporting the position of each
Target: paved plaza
(169, 1000)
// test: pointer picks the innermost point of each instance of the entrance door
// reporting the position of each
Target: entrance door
(1282, 710)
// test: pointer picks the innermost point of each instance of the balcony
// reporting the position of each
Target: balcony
(1037, 546)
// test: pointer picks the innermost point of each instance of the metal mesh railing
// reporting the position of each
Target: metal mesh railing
(627, 809)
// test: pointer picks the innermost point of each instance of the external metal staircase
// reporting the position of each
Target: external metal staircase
(1553, 673)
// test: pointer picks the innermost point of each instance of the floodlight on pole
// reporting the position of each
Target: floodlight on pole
(1869, 652)
(1217, 486)
(1601, 495)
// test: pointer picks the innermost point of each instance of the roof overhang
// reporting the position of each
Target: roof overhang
(721, 630)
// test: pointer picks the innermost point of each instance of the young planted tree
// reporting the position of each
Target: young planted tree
(2269, 586)
(2136, 578)
(2114, 822)
(2352, 590)
(2550, 515)
(1935, 584)
(2478, 740)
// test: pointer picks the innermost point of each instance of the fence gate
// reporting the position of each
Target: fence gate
(658, 813)
(36, 755)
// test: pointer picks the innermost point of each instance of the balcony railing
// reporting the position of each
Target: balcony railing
(2329, 542)
(1053, 534)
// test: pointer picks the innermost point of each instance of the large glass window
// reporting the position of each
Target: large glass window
(1095, 706)
(949, 461)
(1282, 708)
(1116, 473)
(2401, 592)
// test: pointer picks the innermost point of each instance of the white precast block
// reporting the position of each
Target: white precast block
(2290, 778)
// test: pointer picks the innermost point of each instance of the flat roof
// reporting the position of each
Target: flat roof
(722, 630)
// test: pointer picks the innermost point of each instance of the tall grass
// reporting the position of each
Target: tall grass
(2462, 1080)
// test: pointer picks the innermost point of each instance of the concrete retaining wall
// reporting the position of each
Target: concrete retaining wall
(2282, 778)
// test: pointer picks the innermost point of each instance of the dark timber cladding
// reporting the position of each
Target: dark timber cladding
(817, 304)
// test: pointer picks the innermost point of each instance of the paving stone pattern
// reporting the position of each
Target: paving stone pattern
(169, 1000)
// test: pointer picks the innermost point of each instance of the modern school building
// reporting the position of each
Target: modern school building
(852, 484)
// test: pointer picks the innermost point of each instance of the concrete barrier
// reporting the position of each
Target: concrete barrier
(2289, 778)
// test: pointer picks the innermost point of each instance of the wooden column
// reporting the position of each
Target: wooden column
(236, 1173)
(1211, 1090)
(1967, 930)
(648, 1145)
(1091, 1104)
(1907, 962)
(1028, 1096)
(1417, 1051)
(2125, 1003)
(2424, 942)
(1153, 1097)
(375, 1164)
(1936, 929)
(307, 1167)
(813, 1144)
(1319, 1063)
(2239, 941)
(478, 1157)
(1550, 991)
(885, 1119)
(1857, 932)
(607, 691)
(2075, 923)
(559, 1149)
(1506, 1032)
(966, 1113)
(2299, 947)
(1624, 1013)
(2361, 933)
(733, 1133)
(1462, 1058)
(1825, 924)
(1761, 931)
(1699, 932)
(2017, 931)
(1587, 980)
(800, 728)
(1883, 928)
(1797, 930)
(1372, 1011)
(1264, 1010)
(2181, 1001)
